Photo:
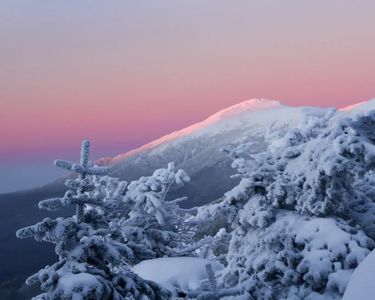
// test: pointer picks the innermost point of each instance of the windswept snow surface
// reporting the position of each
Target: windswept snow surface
(362, 283)
(171, 272)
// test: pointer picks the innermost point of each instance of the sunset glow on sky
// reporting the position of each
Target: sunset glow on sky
(122, 73)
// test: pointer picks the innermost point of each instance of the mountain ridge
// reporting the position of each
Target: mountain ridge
(247, 106)
(231, 111)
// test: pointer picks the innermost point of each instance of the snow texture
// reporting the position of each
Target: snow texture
(175, 272)
(361, 285)
(154, 226)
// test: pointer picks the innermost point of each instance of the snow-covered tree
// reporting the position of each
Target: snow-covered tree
(153, 224)
(302, 214)
(296, 257)
(91, 264)
(111, 191)
(211, 228)
(363, 204)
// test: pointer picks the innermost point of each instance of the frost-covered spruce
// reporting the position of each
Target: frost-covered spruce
(111, 191)
(154, 224)
(76, 195)
(88, 257)
(302, 213)
(363, 206)
(296, 257)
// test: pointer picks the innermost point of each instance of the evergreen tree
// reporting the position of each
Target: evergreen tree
(111, 191)
(89, 259)
(153, 225)
(302, 214)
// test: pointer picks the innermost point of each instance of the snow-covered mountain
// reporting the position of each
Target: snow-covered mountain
(198, 148)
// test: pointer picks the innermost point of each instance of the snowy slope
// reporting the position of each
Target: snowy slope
(182, 272)
(197, 149)
(207, 125)
(362, 283)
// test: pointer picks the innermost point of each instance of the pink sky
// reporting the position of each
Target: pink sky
(122, 73)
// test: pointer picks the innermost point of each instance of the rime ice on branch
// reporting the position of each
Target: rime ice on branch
(82, 185)
(89, 258)
(303, 211)
(154, 224)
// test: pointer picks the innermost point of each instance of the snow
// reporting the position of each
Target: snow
(364, 106)
(72, 284)
(247, 106)
(171, 272)
(353, 106)
(197, 149)
(323, 233)
(261, 109)
(362, 285)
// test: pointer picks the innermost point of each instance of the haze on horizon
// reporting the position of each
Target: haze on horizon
(123, 73)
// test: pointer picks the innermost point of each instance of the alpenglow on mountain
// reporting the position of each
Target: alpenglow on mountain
(198, 149)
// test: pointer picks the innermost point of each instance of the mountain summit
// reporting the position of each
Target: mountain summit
(248, 106)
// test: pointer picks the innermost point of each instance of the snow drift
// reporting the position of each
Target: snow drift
(361, 284)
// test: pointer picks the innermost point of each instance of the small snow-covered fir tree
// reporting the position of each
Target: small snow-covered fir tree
(154, 225)
(89, 259)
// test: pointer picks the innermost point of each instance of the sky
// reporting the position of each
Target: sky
(122, 73)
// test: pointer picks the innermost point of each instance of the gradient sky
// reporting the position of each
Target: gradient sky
(122, 73)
